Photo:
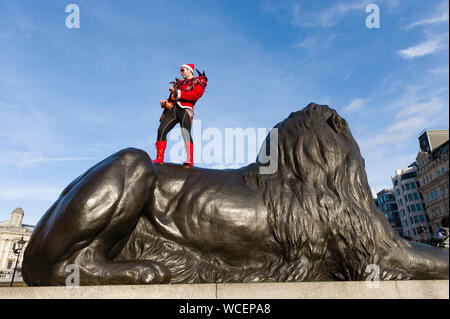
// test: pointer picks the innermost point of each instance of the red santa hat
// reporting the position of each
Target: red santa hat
(190, 67)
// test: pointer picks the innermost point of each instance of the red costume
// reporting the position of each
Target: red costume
(188, 91)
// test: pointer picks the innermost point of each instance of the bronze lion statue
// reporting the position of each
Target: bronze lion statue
(128, 221)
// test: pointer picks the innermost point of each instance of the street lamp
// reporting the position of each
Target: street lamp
(17, 251)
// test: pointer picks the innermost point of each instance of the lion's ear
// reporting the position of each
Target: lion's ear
(337, 123)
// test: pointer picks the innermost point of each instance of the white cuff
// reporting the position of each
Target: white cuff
(179, 94)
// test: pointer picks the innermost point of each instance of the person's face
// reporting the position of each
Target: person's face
(185, 73)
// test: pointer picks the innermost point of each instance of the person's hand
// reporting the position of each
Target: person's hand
(172, 89)
(163, 103)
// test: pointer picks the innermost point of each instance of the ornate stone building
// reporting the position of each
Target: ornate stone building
(432, 173)
(11, 231)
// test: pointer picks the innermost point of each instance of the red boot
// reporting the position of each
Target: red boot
(190, 154)
(160, 148)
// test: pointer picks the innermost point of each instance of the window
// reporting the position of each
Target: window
(412, 222)
(406, 198)
(403, 187)
(410, 197)
(414, 231)
(407, 187)
(429, 197)
(408, 175)
(443, 170)
(422, 218)
(413, 208)
(439, 172)
(444, 191)
(409, 209)
(419, 207)
(413, 185)
(416, 219)
(416, 196)
(406, 223)
(437, 194)
(9, 264)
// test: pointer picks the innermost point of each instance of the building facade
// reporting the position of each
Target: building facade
(387, 203)
(11, 231)
(432, 173)
(413, 214)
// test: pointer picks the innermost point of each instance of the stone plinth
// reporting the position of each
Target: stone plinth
(424, 289)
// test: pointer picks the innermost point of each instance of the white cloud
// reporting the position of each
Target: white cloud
(422, 49)
(329, 17)
(427, 108)
(430, 21)
(439, 71)
(293, 12)
(24, 159)
(396, 133)
(355, 105)
(39, 193)
(418, 107)
(407, 127)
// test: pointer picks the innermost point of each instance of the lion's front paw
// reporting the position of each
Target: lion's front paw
(102, 272)
(151, 273)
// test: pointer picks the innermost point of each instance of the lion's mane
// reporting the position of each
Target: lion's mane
(321, 207)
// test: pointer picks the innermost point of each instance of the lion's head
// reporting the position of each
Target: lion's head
(320, 201)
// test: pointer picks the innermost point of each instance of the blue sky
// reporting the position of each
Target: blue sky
(71, 97)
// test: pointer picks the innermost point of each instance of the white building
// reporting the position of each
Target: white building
(411, 205)
(11, 231)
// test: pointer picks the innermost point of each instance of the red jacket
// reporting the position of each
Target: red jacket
(189, 91)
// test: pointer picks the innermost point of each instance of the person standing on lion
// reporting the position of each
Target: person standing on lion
(179, 108)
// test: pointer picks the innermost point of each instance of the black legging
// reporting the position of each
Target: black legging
(175, 115)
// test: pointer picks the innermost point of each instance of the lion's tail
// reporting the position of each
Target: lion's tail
(420, 261)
